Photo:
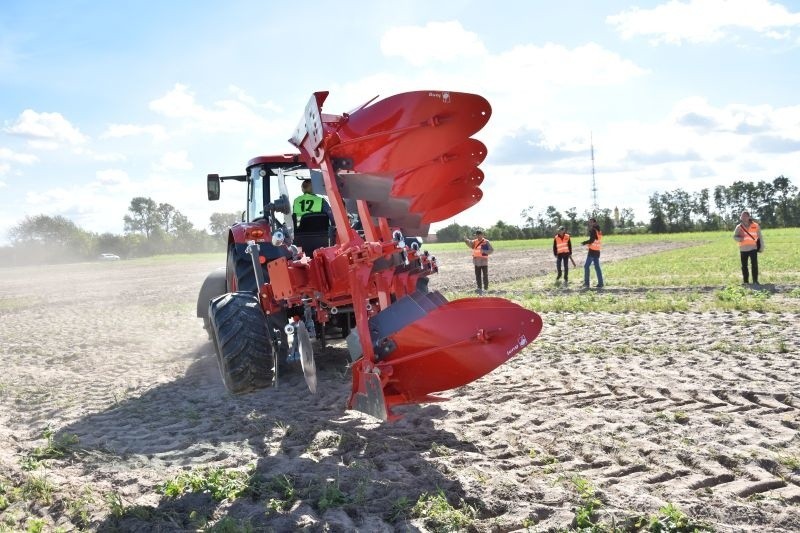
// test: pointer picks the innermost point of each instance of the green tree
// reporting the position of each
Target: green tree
(572, 223)
(453, 233)
(58, 238)
(220, 222)
(182, 227)
(166, 213)
(786, 198)
(144, 216)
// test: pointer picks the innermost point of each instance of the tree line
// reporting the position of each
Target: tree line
(150, 228)
(774, 204)
(158, 228)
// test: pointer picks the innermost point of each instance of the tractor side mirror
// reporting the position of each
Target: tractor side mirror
(213, 186)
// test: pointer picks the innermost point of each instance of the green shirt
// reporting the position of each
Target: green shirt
(307, 203)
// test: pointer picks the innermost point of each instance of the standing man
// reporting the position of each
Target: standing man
(308, 202)
(593, 255)
(481, 249)
(562, 250)
(748, 235)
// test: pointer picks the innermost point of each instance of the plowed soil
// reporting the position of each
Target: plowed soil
(698, 410)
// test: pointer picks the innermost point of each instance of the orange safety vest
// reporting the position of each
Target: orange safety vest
(596, 244)
(562, 244)
(749, 240)
(476, 247)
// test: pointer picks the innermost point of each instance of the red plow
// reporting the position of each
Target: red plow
(396, 166)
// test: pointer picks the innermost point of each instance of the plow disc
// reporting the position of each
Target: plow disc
(409, 129)
(429, 345)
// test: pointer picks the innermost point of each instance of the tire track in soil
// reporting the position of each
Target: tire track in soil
(698, 409)
(647, 427)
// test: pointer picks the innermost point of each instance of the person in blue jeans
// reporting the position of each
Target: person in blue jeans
(593, 255)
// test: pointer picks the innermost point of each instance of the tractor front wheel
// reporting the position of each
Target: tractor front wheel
(239, 331)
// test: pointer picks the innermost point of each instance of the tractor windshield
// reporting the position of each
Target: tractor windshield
(283, 214)
(256, 193)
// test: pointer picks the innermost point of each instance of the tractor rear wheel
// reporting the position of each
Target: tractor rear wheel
(213, 286)
(239, 272)
(239, 331)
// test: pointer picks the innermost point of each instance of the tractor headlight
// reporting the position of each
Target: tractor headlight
(277, 238)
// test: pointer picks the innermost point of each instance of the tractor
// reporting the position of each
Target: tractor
(389, 168)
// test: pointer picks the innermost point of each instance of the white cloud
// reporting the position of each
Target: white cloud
(244, 97)
(174, 161)
(157, 132)
(111, 178)
(91, 154)
(109, 158)
(227, 116)
(46, 130)
(8, 155)
(704, 21)
(527, 64)
(101, 205)
(634, 159)
(436, 42)
(557, 65)
(178, 103)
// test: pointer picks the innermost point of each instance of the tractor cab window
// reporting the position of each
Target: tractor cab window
(257, 183)
(281, 205)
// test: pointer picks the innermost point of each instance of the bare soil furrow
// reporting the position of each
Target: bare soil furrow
(647, 408)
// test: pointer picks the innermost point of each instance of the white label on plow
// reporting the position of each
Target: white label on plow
(521, 342)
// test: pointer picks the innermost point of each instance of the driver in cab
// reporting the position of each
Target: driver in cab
(308, 202)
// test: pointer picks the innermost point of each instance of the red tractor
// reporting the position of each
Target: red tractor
(389, 169)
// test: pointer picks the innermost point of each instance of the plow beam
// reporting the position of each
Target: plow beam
(424, 344)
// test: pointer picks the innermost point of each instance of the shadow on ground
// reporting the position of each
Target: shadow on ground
(311, 465)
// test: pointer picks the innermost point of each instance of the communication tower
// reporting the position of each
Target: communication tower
(595, 206)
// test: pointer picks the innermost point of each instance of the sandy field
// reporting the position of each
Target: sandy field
(109, 388)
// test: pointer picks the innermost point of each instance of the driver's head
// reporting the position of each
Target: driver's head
(306, 186)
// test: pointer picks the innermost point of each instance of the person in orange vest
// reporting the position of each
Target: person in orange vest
(748, 234)
(593, 255)
(562, 250)
(481, 250)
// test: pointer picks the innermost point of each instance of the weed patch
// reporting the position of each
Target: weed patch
(220, 483)
(57, 446)
(401, 509)
(331, 496)
(38, 489)
(231, 525)
(670, 519)
(283, 485)
(589, 504)
(440, 516)
(792, 462)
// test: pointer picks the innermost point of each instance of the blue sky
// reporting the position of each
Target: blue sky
(104, 101)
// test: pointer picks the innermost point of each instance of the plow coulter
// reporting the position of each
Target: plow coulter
(295, 277)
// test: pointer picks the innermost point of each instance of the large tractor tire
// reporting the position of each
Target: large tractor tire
(214, 285)
(244, 352)
(239, 273)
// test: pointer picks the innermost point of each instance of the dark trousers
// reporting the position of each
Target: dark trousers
(562, 258)
(482, 271)
(753, 255)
